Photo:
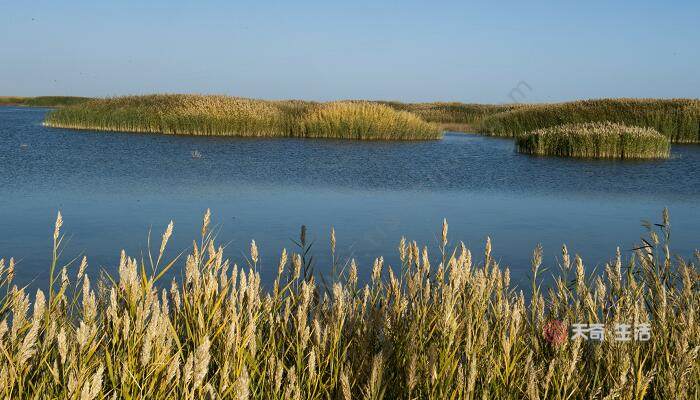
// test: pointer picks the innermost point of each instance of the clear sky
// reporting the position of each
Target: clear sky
(402, 50)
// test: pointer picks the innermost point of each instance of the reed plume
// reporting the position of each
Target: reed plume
(431, 327)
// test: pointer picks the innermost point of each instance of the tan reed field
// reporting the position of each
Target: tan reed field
(233, 116)
(453, 116)
(444, 326)
(173, 114)
(365, 120)
(677, 119)
(595, 140)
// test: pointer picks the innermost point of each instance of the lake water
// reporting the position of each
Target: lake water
(112, 187)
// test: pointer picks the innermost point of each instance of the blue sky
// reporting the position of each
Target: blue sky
(323, 50)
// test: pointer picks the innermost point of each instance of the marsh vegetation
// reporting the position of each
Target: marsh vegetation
(453, 116)
(11, 100)
(595, 140)
(446, 325)
(234, 116)
(43, 101)
(677, 119)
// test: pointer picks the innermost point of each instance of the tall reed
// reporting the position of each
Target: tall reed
(365, 120)
(595, 140)
(173, 114)
(233, 116)
(677, 119)
(450, 325)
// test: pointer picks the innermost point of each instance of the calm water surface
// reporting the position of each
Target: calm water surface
(113, 187)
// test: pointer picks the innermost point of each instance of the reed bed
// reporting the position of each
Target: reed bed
(595, 140)
(453, 116)
(11, 100)
(173, 114)
(443, 326)
(233, 116)
(365, 120)
(43, 101)
(677, 119)
(54, 101)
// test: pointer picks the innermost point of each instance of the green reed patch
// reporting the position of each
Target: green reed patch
(234, 116)
(54, 101)
(44, 101)
(449, 325)
(677, 119)
(11, 100)
(595, 140)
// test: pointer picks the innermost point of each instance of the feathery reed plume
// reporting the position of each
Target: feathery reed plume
(459, 331)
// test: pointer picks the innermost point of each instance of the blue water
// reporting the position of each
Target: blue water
(113, 187)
